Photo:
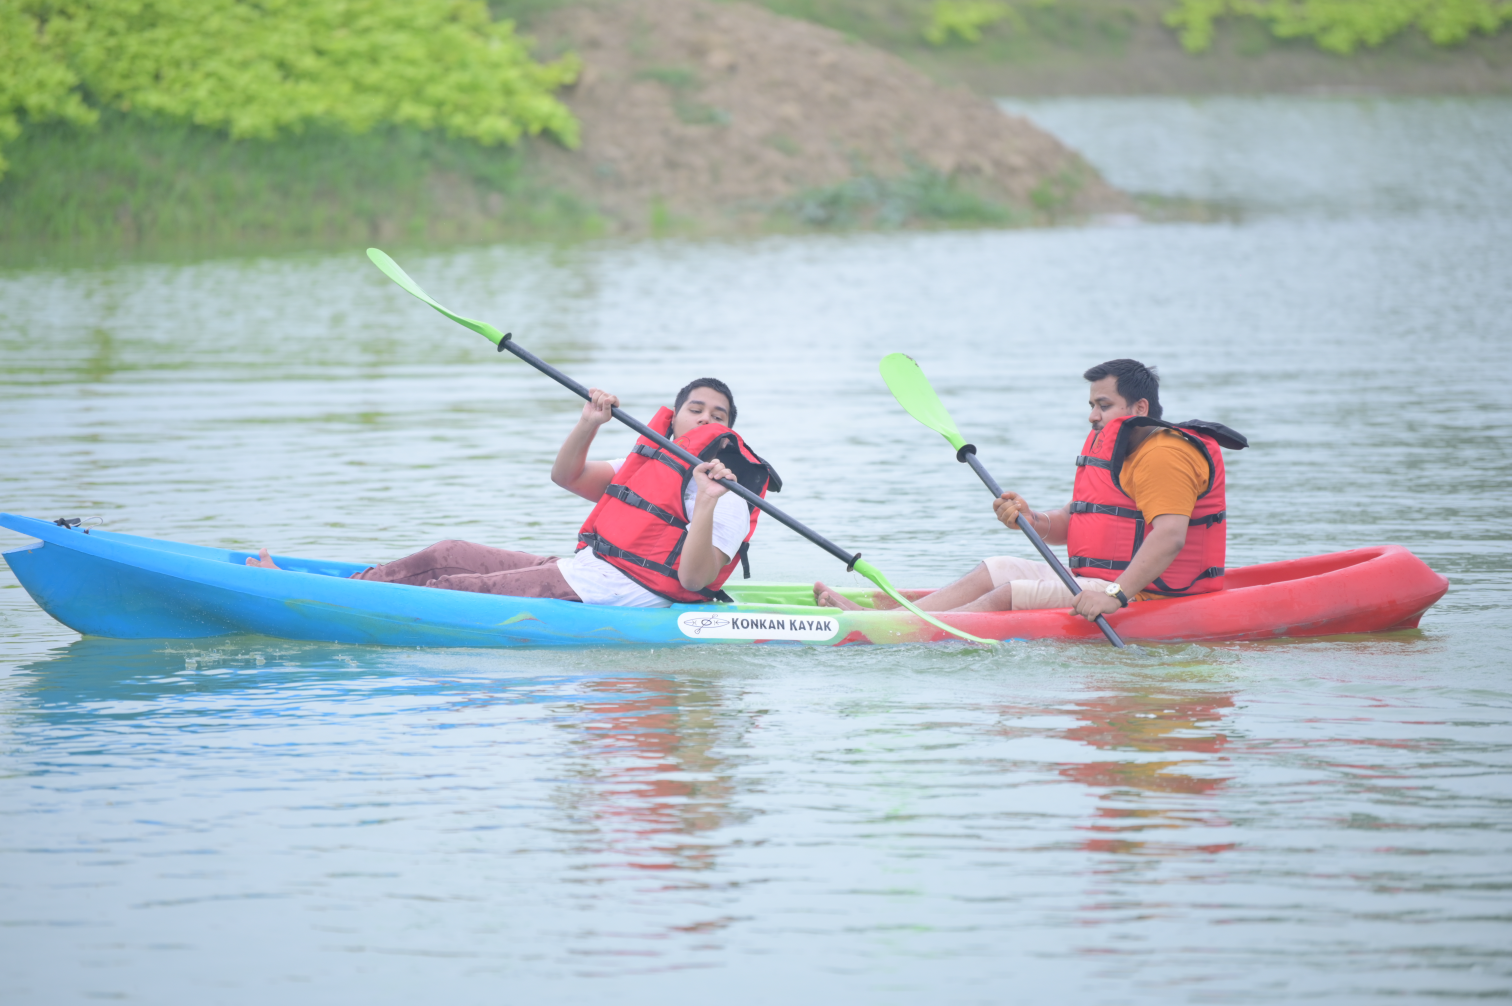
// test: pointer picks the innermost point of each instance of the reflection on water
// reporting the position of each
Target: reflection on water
(648, 781)
(1139, 795)
(247, 819)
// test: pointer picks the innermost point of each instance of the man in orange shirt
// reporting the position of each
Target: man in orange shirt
(1148, 520)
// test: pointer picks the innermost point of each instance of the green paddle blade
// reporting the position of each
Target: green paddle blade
(392, 271)
(912, 390)
(874, 574)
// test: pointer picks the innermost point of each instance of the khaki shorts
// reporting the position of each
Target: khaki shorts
(1035, 584)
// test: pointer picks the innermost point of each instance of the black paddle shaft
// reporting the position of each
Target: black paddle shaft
(667, 445)
(968, 455)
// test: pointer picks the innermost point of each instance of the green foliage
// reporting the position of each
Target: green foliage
(33, 81)
(1342, 26)
(1030, 30)
(273, 68)
(964, 19)
(923, 197)
(130, 185)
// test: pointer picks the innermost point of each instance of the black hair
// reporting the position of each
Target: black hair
(713, 384)
(1135, 381)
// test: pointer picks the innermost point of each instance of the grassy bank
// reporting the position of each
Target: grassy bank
(127, 189)
(134, 187)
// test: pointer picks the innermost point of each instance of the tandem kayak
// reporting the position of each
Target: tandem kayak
(103, 583)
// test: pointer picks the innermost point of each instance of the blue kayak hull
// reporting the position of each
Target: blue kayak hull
(126, 587)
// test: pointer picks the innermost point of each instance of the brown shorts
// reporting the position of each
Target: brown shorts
(1035, 584)
(462, 565)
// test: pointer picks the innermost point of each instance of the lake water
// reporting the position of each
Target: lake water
(250, 820)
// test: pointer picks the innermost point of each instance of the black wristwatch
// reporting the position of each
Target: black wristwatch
(1114, 590)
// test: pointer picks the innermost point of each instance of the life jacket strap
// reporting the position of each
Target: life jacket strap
(608, 551)
(625, 494)
(1081, 506)
(1087, 562)
(1083, 460)
(657, 454)
(745, 559)
(1161, 587)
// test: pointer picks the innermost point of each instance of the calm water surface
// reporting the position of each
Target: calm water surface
(251, 820)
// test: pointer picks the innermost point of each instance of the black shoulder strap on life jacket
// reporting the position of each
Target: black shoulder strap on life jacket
(774, 481)
(1229, 440)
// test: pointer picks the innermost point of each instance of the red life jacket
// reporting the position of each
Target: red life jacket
(640, 523)
(1107, 529)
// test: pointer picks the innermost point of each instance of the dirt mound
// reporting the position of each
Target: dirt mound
(718, 115)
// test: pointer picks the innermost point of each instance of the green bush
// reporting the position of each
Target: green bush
(1342, 26)
(272, 68)
(964, 19)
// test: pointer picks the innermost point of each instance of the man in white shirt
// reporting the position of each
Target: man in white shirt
(718, 523)
(719, 520)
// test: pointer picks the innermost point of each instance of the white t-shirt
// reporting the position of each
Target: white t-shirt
(597, 582)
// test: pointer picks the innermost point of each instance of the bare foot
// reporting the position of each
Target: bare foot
(885, 603)
(262, 560)
(824, 597)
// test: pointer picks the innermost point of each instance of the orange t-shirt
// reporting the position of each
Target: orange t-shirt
(1165, 474)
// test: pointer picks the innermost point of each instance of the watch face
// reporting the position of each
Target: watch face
(1113, 588)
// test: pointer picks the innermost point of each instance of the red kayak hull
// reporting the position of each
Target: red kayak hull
(1362, 590)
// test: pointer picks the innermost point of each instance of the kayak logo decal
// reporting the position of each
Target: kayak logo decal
(712, 625)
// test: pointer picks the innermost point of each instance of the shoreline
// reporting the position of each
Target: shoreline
(521, 217)
(708, 120)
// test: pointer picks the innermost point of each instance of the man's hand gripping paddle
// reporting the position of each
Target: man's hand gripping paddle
(504, 342)
(913, 391)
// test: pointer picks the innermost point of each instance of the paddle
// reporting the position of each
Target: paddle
(913, 391)
(504, 341)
